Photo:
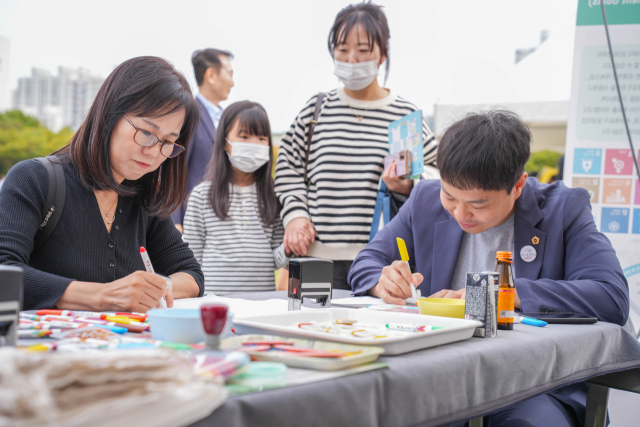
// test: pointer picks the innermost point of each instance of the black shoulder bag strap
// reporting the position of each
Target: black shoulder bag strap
(54, 203)
(312, 126)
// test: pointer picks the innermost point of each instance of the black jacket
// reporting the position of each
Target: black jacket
(80, 248)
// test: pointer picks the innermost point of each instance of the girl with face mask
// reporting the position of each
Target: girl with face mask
(232, 223)
(331, 217)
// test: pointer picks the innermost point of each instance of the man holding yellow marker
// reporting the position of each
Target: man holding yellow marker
(484, 203)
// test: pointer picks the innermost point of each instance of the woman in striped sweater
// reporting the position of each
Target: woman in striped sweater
(232, 223)
(331, 217)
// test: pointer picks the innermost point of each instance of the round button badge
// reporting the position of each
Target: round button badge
(528, 253)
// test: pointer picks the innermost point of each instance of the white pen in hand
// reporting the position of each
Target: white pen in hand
(149, 268)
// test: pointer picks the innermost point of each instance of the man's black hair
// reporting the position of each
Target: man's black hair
(207, 58)
(485, 151)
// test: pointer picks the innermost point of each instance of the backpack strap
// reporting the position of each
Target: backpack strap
(383, 208)
(54, 204)
(312, 126)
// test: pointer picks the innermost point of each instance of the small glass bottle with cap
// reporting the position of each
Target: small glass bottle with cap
(506, 291)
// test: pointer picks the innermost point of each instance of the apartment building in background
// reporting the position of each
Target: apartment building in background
(57, 101)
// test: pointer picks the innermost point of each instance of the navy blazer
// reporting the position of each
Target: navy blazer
(576, 268)
(198, 156)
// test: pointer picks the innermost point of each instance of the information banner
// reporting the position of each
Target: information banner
(598, 157)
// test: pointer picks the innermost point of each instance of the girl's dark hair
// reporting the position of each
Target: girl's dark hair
(372, 18)
(252, 119)
(144, 86)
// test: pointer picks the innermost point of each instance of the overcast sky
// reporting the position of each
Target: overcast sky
(281, 57)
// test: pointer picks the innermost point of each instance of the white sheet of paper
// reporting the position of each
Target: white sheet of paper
(239, 307)
(365, 300)
(369, 300)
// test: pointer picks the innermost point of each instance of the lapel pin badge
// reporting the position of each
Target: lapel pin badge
(535, 240)
(528, 253)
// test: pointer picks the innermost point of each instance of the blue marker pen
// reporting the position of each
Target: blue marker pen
(115, 329)
(532, 322)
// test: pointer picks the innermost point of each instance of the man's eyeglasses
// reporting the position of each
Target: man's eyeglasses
(144, 138)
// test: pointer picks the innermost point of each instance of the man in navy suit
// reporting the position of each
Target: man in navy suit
(484, 203)
(214, 75)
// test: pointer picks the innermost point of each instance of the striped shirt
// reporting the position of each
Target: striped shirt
(239, 254)
(346, 161)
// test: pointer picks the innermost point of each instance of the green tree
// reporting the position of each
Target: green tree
(540, 159)
(23, 137)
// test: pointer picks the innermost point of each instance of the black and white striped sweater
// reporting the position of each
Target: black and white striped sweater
(346, 161)
(239, 254)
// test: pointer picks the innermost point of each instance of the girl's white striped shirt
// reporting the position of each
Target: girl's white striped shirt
(239, 254)
(346, 161)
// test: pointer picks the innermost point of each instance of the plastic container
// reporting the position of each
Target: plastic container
(181, 325)
(443, 307)
(286, 325)
(366, 354)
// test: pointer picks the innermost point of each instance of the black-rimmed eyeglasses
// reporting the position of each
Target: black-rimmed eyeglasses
(144, 138)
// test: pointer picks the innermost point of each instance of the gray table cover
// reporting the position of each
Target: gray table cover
(441, 385)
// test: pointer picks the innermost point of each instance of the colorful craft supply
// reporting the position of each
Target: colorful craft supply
(263, 369)
(412, 328)
(175, 346)
(141, 317)
(220, 364)
(122, 320)
(346, 321)
(251, 348)
(47, 346)
(266, 342)
(66, 313)
(34, 333)
(28, 316)
(289, 347)
(128, 327)
(26, 326)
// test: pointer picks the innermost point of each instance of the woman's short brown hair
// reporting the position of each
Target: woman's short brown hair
(372, 19)
(145, 86)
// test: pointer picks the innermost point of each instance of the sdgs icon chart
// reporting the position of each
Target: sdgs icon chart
(598, 156)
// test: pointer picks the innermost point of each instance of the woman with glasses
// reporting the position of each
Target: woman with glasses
(125, 172)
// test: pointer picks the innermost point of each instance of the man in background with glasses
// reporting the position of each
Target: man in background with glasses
(214, 75)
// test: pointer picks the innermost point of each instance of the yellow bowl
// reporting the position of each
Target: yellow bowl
(444, 307)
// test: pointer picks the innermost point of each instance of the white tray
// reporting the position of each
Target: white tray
(397, 343)
(369, 354)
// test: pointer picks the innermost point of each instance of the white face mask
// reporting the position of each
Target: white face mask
(356, 76)
(248, 157)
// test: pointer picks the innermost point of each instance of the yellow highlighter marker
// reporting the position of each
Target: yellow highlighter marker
(404, 254)
(123, 320)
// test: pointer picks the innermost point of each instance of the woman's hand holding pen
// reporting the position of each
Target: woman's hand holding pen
(393, 285)
(137, 292)
(298, 235)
